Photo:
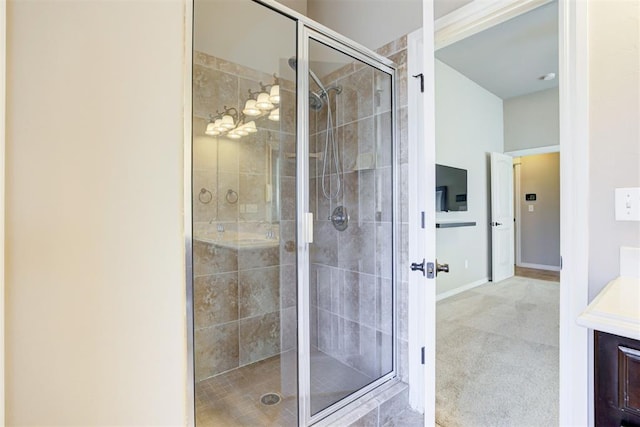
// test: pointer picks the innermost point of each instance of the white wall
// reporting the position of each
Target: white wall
(532, 120)
(371, 23)
(95, 275)
(469, 124)
(614, 108)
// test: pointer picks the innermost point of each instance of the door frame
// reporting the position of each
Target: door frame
(575, 385)
(3, 98)
(517, 192)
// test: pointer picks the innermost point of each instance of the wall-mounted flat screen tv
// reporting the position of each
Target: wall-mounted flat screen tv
(451, 189)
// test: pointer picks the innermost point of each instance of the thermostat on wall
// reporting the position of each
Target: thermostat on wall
(530, 197)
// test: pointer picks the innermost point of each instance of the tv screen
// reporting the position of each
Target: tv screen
(451, 189)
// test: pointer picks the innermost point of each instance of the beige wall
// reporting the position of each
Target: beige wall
(3, 16)
(370, 23)
(95, 303)
(614, 134)
(540, 228)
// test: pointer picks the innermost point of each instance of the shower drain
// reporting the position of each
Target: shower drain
(270, 399)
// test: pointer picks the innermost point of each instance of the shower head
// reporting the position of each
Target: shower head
(315, 101)
(293, 63)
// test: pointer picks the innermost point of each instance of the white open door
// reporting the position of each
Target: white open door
(422, 226)
(502, 248)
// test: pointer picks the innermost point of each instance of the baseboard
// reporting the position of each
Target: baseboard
(461, 289)
(539, 266)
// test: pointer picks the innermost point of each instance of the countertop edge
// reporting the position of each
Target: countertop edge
(601, 319)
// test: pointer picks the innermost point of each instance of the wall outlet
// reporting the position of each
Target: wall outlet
(628, 204)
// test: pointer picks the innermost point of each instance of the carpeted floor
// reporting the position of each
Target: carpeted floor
(497, 355)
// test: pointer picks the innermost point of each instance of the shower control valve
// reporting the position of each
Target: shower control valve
(340, 218)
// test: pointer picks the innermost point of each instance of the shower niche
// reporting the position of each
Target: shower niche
(294, 218)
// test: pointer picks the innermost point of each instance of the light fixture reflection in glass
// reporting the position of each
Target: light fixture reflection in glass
(217, 126)
(241, 131)
(275, 115)
(250, 108)
(263, 102)
(211, 130)
(233, 135)
(274, 94)
(227, 122)
(251, 127)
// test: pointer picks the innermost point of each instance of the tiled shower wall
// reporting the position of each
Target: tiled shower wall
(351, 271)
(244, 298)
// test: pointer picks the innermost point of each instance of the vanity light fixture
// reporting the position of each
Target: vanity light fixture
(263, 102)
(211, 130)
(250, 108)
(274, 94)
(275, 115)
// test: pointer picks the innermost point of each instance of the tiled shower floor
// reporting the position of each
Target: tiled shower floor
(233, 398)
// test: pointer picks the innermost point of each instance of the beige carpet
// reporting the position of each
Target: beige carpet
(497, 355)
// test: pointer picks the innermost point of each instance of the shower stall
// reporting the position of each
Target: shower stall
(294, 217)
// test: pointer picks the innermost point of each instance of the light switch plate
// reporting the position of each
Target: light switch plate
(530, 208)
(628, 204)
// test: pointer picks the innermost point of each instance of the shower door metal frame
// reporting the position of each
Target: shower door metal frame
(347, 47)
(309, 29)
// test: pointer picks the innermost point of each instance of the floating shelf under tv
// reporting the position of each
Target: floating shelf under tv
(452, 224)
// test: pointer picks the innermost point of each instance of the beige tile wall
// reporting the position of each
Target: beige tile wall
(241, 295)
(351, 271)
(245, 299)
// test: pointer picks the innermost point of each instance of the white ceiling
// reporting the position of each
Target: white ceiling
(508, 59)
(442, 7)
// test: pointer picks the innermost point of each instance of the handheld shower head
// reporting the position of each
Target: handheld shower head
(293, 63)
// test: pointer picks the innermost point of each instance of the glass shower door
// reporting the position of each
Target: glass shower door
(351, 196)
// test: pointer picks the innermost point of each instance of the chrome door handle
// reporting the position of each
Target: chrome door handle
(441, 268)
(418, 267)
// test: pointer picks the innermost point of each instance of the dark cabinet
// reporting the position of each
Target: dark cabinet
(617, 380)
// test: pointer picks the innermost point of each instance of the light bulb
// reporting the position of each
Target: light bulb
(233, 135)
(274, 95)
(263, 102)
(241, 131)
(275, 115)
(217, 126)
(227, 122)
(250, 108)
(251, 127)
(211, 130)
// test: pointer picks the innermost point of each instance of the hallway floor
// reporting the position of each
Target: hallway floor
(534, 273)
(497, 355)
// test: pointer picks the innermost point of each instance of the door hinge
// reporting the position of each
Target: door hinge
(421, 77)
(422, 356)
